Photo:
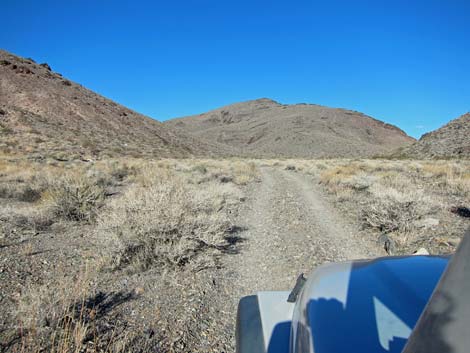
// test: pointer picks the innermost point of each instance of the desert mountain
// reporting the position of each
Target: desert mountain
(450, 141)
(45, 115)
(266, 128)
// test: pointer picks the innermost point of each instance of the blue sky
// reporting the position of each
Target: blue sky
(404, 62)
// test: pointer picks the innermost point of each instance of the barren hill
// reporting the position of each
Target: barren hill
(44, 114)
(265, 128)
(450, 141)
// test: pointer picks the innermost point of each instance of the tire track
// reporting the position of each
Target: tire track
(290, 228)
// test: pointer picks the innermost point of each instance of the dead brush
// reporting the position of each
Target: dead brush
(388, 215)
(166, 225)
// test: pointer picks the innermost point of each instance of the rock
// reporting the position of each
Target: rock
(461, 211)
(388, 243)
(46, 65)
(22, 70)
(290, 167)
(421, 251)
(427, 223)
(454, 241)
(225, 178)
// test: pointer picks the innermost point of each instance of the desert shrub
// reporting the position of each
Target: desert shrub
(20, 192)
(27, 219)
(121, 172)
(40, 221)
(7, 191)
(390, 210)
(166, 225)
(5, 130)
(337, 174)
(101, 178)
(225, 178)
(87, 143)
(244, 172)
(29, 194)
(200, 168)
(75, 199)
(360, 182)
(351, 177)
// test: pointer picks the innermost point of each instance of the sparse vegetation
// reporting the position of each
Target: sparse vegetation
(119, 219)
(408, 200)
(145, 227)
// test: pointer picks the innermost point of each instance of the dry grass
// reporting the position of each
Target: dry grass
(65, 317)
(48, 319)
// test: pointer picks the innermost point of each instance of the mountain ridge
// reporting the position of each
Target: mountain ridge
(451, 140)
(299, 130)
(44, 114)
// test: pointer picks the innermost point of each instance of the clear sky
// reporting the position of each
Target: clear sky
(404, 62)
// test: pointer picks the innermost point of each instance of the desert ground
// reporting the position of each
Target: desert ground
(141, 255)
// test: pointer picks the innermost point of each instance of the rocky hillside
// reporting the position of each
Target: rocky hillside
(450, 141)
(46, 115)
(265, 128)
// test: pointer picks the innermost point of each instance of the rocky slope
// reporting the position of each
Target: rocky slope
(265, 128)
(450, 141)
(45, 115)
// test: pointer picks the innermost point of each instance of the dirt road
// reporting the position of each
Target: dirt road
(291, 227)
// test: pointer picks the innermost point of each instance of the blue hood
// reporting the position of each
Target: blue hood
(364, 306)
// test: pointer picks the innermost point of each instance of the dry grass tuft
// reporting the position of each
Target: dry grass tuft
(48, 318)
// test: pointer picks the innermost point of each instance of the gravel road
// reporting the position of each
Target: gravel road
(291, 227)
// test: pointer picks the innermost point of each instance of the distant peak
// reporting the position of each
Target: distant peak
(266, 101)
